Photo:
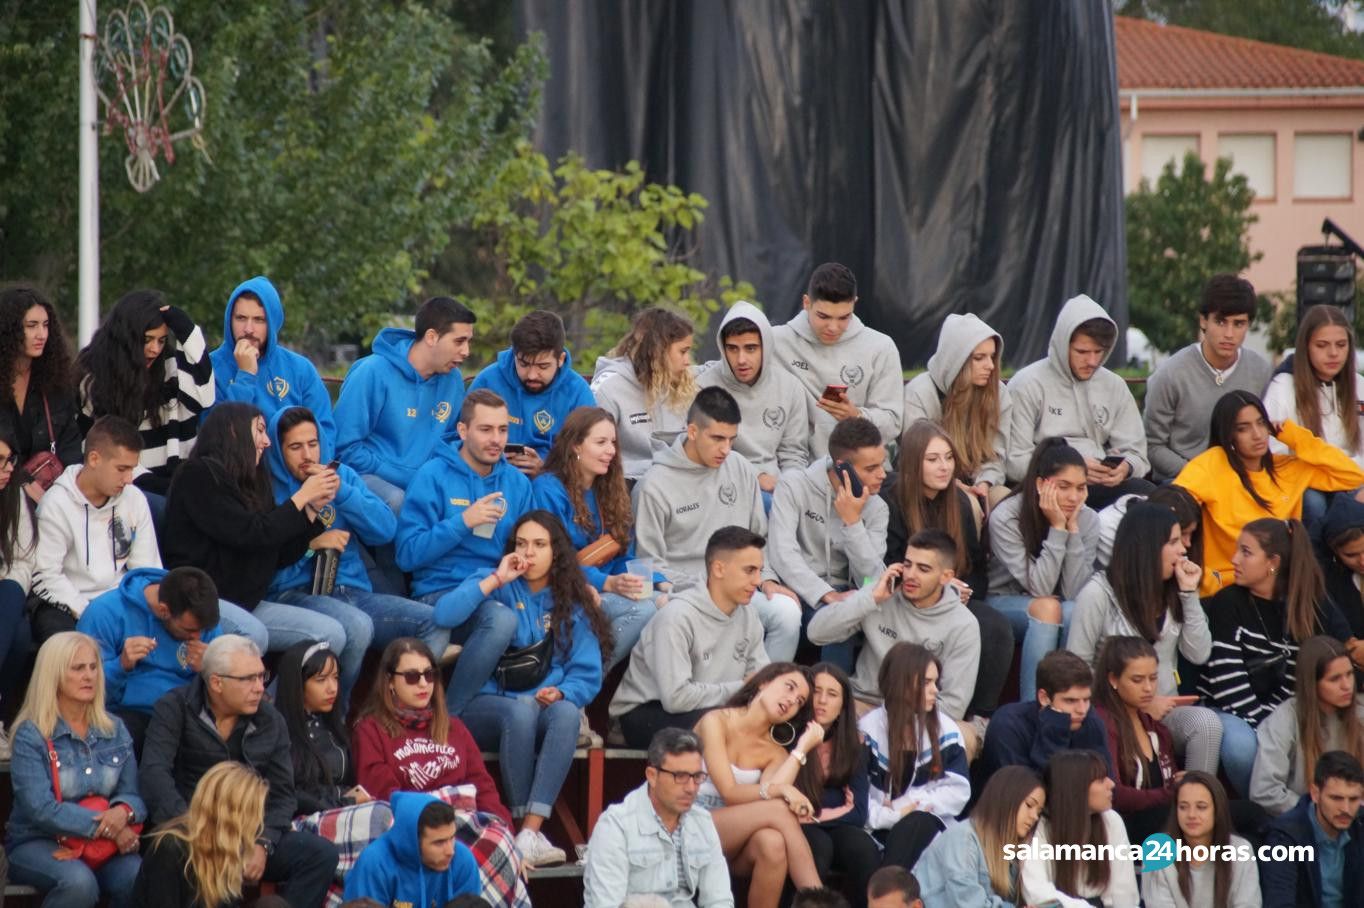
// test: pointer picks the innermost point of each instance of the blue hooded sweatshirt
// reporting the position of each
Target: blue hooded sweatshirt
(388, 418)
(390, 869)
(535, 418)
(551, 495)
(577, 673)
(283, 378)
(355, 508)
(123, 612)
(433, 542)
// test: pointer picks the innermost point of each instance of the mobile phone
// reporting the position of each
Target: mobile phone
(894, 583)
(835, 392)
(1186, 700)
(1113, 460)
(514, 448)
(842, 468)
(334, 465)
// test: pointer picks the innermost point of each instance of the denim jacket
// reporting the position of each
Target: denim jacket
(101, 763)
(630, 853)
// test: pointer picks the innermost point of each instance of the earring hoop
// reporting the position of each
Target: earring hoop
(772, 733)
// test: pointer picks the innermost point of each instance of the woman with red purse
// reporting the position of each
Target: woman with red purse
(73, 830)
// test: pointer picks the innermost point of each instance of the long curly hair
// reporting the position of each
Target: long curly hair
(226, 814)
(51, 372)
(613, 498)
(646, 346)
(569, 590)
(110, 372)
(226, 445)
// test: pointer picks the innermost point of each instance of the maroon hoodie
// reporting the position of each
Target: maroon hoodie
(411, 761)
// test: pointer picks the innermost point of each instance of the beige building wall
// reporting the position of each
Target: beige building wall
(1323, 131)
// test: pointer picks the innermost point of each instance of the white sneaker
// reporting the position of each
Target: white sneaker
(536, 850)
(6, 751)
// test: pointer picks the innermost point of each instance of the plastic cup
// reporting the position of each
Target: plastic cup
(486, 530)
(643, 568)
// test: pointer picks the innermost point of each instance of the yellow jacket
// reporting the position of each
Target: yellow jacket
(1228, 507)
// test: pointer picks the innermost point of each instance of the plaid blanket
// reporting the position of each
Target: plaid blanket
(350, 829)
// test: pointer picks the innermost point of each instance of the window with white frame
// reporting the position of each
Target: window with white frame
(1252, 155)
(1159, 150)
(1321, 165)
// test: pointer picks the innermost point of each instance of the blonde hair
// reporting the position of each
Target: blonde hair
(970, 416)
(40, 702)
(226, 816)
(646, 346)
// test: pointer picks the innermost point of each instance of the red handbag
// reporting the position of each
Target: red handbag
(43, 467)
(94, 852)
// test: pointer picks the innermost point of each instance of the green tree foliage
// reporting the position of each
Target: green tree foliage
(595, 246)
(346, 141)
(1179, 233)
(1317, 25)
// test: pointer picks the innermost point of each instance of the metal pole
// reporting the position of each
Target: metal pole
(89, 178)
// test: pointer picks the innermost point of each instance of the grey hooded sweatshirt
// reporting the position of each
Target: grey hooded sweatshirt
(810, 548)
(691, 655)
(1061, 568)
(925, 392)
(679, 503)
(1276, 781)
(864, 359)
(1096, 417)
(641, 430)
(946, 629)
(775, 431)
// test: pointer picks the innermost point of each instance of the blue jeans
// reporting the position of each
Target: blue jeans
(1239, 746)
(16, 637)
(780, 618)
(297, 616)
(628, 617)
(485, 637)
(1037, 637)
(392, 495)
(233, 619)
(514, 726)
(71, 884)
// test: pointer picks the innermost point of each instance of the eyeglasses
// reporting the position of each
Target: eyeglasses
(9, 463)
(257, 678)
(412, 676)
(682, 778)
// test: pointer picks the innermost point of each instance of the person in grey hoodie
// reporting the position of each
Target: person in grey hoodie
(911, 601)
(1070, 395)
(775, 407)
(696, 652)
(699, 483)
(94, 525)
(646, 382)
(961, 391)
(1181, 392)
(826, 541)
(826, 344)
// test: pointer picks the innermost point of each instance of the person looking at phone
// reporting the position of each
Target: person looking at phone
(847, 368)
(699, 483)
(1071, 395)
(535, 377)
(455, 520)
(829, 523)
(1028, 733)
(773, 403)
(355, 516)
(913, 600)
(151, 632)
(1150, 590)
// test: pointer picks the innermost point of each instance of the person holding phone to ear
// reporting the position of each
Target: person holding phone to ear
(1150, 590)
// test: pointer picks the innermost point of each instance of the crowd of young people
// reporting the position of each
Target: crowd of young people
(1182, 588)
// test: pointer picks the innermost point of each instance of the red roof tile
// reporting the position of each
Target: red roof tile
(1170, 57)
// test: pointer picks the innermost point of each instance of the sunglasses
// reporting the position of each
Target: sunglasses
(413, 677)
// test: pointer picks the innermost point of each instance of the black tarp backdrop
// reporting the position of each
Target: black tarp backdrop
(958, 155)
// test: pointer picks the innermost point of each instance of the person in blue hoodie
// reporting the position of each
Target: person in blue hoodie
(152, 630)
(455, 520)
(253, 367)
(535, 377)
(297, 450)
(398, 404)
(418, 862)
(539, 582)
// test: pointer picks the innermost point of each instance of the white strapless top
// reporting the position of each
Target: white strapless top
(709, 798)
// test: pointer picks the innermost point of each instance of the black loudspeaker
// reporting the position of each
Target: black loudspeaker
(1326, 276)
